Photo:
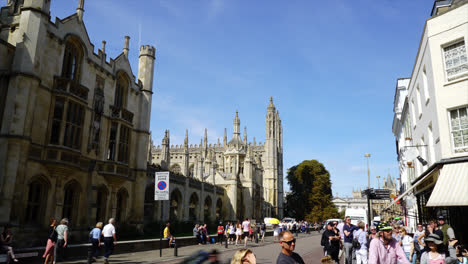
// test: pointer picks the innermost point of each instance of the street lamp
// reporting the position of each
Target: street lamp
(378, 182)
(367, 156)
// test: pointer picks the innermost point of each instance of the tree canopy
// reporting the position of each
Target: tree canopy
(311, 193)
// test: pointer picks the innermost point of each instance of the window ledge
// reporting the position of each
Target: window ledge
(456, 80)
(427, 100)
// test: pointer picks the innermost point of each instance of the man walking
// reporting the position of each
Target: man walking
(246, 228)
(287, 256)
(385, 249)
(109, 239)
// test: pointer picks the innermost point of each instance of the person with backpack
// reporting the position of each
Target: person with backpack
(360, 243)
(220, 233)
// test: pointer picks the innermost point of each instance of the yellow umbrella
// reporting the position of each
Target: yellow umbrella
(274, 221)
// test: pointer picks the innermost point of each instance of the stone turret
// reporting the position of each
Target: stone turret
(79, 10)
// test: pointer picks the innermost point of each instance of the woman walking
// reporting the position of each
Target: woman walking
(232, 233)
(51, 240)
(238, 232)
(6, 239)
(62, 239)
(408, 246)
(95, 236)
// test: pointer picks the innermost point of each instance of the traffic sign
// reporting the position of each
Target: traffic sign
(161, 186)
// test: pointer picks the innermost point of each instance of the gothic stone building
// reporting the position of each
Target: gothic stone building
(229, 180)
(74, 124)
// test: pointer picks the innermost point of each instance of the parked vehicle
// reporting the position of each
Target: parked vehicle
(357, 215)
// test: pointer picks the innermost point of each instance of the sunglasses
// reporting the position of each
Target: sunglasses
(289, 242)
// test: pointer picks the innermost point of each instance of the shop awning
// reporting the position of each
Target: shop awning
(451, 188)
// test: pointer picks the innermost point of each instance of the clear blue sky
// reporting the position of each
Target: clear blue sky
(331, 67)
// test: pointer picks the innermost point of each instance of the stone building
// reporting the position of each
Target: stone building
(247, 177)
(74, 123)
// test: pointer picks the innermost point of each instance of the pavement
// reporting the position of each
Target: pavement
(308, 246)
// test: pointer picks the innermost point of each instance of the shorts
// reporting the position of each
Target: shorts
(232, 236)
(262, 232)
(168, 237)
(246, 234)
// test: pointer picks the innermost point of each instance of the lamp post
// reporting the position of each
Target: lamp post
(367, 156)
(378, 182)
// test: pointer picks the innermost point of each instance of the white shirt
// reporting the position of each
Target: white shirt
(406, 241)
(108, 230)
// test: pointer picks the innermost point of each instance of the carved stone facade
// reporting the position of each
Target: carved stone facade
(250, 175)
(74, 123)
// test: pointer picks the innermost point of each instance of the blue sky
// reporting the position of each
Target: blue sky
(331, 67)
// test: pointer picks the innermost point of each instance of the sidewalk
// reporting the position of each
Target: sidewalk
(152, 256)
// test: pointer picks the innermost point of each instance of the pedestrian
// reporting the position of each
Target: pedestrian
(262, 231)
(51, 240)
(287, 255)
(95, 236)
(220, 233)
(407, 244)
(238, 232)
(348, 230)
(447, 230)
(418, 242)
(462, 254)
(436, 229)
(244, 256)
(110, 239)
(373, 233)
(385, 249)
(331, 242)
(167, 234)
(196, 233)
(246, 229)
(232, 233)
(5, 242)
(436, 253)
(361, 237)
(396, 234)
(62, 240)
(205, 236)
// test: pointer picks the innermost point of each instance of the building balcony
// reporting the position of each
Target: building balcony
(121, 113)
(70, 87)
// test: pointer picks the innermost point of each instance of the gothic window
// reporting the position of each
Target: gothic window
(148, 210)
(174, 211)
(37, 196)
(176, 169)
(101, 201)
(207, 209)
(121, 88)
(71, 61)
(456, 61)
(73, 125)
(57, 120)
(193, 207)
(71, 201)
(459, 129)
(219, 208)
(191, 170)
(124, 141)
(122, 197)
(112, 142)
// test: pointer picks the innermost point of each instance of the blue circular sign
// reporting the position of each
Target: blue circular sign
(162, 185)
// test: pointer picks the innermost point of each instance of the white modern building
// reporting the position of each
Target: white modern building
(431, 122)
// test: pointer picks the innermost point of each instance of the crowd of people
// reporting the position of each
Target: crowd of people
(391, 243)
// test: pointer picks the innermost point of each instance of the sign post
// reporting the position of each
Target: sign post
(161, 193)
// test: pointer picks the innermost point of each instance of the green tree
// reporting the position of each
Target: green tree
(311, 194)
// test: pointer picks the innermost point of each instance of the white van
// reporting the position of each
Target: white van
(357, 215)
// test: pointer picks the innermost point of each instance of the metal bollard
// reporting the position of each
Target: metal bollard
(226, 243)
(175, 249)
(256, 238)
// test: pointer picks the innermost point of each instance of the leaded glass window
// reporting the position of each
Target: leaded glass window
(456, 61)
(459, 125)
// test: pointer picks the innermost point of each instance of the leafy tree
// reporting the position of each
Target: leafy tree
(311, 194)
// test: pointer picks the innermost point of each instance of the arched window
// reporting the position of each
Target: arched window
(71, 201)
(207, 209)
(121, 89)
(175, 205)
(191, 170)
(121, 210)
(148, 210)
(101, 203)
(193, 206)
(37, 196)
(72, 59)
(176, 169)
(219, 209)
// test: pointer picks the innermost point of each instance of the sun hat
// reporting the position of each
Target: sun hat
(433, 238)
(384, 226)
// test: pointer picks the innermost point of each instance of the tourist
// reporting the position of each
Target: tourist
(385, 249)
(396, 233)
(331, 242)
(436, 229)
(361, 236)
(205, 236)
(373, 233)
(196, 233)
(244, 256)
(246, 229)
(262, 231)
(446, 229)
(407, 243)
(238, 232)
(95, 236)
(461, 253)
(348, 230)
(418, 241)
(62, 240)
(110, 239)
(220, 233)
(6, 239)
(51, 240)
(436, 252)
(288, 244)
(232, 233)
(276, 231)
(167, 234)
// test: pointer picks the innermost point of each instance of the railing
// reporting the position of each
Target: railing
(121, 113)
(71, 87)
